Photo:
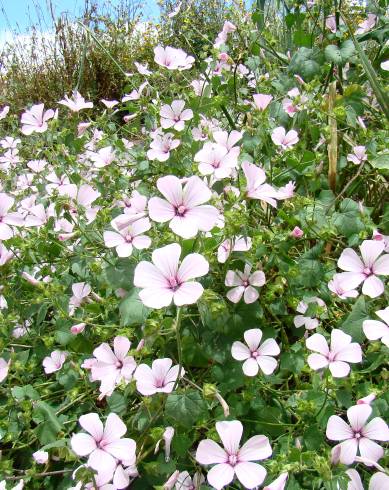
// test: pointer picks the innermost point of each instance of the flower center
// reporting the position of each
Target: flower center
(255, 354)
(174, 283)
(119, 364)
(357, 435)
(128, 238)
(181, 210)
(159, 383)
(245, 283)
(367, 271)
(232, 459)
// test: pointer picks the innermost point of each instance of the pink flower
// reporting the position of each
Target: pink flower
(331, 23)
(297, 232)
(309, 323)
(341, 352)
(380, 237)
(199, 86)
(244, 283)
(367, 269)
(159, 378)
(343, 285)
(217, 160)
(256, 188)
(165, 281)
(171, 481)
(135, 94)
(41, 457)
(103, 157)
(167, 438)
(76, 103)
(183, 207)
(261, 101)
(142, 69)
(255, 355)
(134, 205)
(5, 254)
(367, 399)
(379, 481)
(54, 362)
(185, 482)
(358, 156)
(35, 119)
(367, 24)
(110, 104)
(355, 480)
(278, 484)
(81, 290)
(78, 328)
(37, 166)
(284, 139)
(235, 244)
(7, 218)
(228, 140)
(4, 112)
(172, 58)
(232, 460)
(358, 436)
(113, 367)
(125, 238)
(374, 329)
(385, 65)
(82, 127)
(104, 445)
(161, 146)
(174, 115)
(4, 366)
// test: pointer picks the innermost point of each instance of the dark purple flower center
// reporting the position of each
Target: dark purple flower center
(255, 354)
(174, 283)
(233, 459)
(245, 283)
(128, 238)
(119, 364)
(181, 210)
(367, 271)
(357, 435)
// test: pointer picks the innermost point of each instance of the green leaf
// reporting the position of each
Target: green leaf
(340, 55)
(185, 408)
(132, 311)
(381, 161)
(120, 275)
(353, 323)
(49, 425)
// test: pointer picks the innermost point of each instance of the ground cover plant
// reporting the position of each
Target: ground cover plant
(194, 275)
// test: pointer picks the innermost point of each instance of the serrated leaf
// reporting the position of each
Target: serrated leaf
(340, 55)
(185, 408)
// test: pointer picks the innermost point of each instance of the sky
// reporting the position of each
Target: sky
(20, 14)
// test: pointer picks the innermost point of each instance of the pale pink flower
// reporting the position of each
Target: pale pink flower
(199, 86)
(228, 140)
(172, 58)
(309, 323)
(294, 103)
(135, 94)
(184, 206)
(9, 142)
(380, 237)
(337, 357)
(142, 69)
(244, 284)
(367, 399)
(38, 215)
(284, 139)
(4, 112)
(343, 285)
(128, 237)
(374, 329)
(261, 101)
(256, 355)
(164, 281)
(355, 480)
(7, 218)
(185, 482)
(41, 457)
(104, 445)
(331, 23)
(56, 183)
(367, 24)
(358, 156)
(54, 362)
(174, 115)
(159, 378)
(256, 187)
(366, 270)
(358, 436)
(83, 197)
(35, 119)
(37, 166)
(76, 103)
(385, 65)
(278, 484)
(161, 146)
(134, 205)
(113, 367)
(167, 438)
(379, 481)
(233, 460)
(81, 290)
(4, 366)
(215, 159)
(109, 104)
(235, 244)
(82, 127)
(103, 157)
(78, 328)
(5, 254)
(297, 232)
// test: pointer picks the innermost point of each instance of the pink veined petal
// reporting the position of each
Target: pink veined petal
(195, 192)
(371, 250)
(358, 415)
(121, 346)
(381, 265)
(145, 381)
(124, 249)
(172, 374)
(379, 481)
(278, 135)
(156, 297)
(317, 361)
(269, 348)
(142, 241)
(257, 279)
(377, 429)
(233, 279)
(267, 364)
(338, 429)
(166, 259)
(184, 226)
(339, 369)
(348, 451)
(120, 449)
(251, 475)
(220, 475)
(351, 353)
(356, 482)
(188, 293)
(140, 226)
(160, 210)
(253, 338)
(230, 433)
(250, 367)
(278, 484)
(91, 423)
(5, 232)
(317, 343)
(104, 354)
(170, 187)
(240, 352)
(339, 340)
(374, 329)
(370, 450)
(83, 444)
(384, 315)
(148, 276)
(250, 295)
(209, 452)
(204, 215)
(112, 239)
(255, 176)
(373, 287)
(350, 262)
(299, 321)
(160, 368)
(256, 448)
(102, 461)
(114, 428)
(235, 294)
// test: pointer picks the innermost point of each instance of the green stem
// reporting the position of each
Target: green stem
(177, 327)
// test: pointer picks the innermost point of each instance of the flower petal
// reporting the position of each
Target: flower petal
(251, 475)
(209, 452)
